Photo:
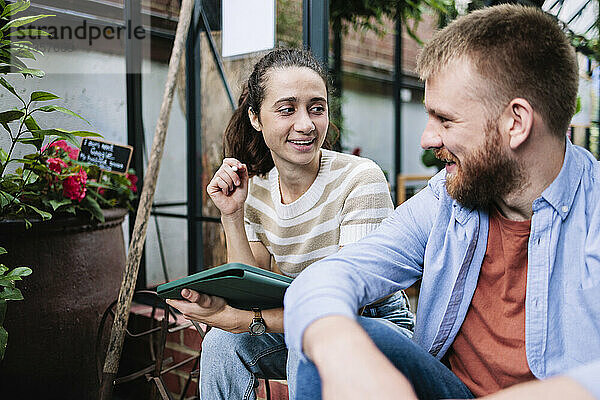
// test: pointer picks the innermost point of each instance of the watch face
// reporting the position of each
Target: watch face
(257, 328)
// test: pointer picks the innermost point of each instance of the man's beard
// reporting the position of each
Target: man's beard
(485, 176)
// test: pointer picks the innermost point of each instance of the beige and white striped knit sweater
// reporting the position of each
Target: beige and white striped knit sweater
(348, 199)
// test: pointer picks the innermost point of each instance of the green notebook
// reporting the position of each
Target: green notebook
(243, 286)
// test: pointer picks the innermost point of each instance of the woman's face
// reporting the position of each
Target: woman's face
(293, 116)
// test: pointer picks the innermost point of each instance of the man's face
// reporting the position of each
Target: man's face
(485, 175)
(479, 166)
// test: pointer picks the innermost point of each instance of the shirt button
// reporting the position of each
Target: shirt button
(565, 209)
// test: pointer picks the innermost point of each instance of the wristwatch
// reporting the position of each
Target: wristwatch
(257, 326)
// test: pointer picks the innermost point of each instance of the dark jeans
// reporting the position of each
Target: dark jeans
(430, 378)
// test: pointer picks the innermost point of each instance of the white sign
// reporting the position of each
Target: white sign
(248, 26)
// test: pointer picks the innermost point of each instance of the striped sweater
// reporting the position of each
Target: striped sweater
(348, 199)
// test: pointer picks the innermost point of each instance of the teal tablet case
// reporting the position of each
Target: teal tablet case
(243, 286)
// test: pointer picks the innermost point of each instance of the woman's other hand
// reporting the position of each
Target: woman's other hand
(211, 310)
(228, 188)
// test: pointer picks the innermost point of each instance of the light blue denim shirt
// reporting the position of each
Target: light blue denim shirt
(433, 238)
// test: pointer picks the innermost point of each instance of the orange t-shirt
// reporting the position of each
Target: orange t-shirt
(488, 353)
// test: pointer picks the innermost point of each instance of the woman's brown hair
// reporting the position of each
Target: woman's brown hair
(241, 141)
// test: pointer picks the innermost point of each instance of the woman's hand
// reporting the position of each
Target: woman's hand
(228, 188)
(212, 310)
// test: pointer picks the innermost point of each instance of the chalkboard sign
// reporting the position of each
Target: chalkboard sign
(107, 156)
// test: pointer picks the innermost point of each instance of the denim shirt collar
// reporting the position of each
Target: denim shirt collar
(438, 186)
(461, 213)
(561, 192)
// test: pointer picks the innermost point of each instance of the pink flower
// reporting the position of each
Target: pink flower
(74, 186)
(56, 164)
(133, 179)
(73, 152)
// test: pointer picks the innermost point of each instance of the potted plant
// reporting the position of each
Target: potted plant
(62, 217)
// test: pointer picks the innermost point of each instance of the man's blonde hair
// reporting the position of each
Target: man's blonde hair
(519, 51)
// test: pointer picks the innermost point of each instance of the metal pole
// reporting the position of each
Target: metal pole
(217, 58)
(135, 123)
(194, 143)
(397, 102)
(336, 108)
(315, 24)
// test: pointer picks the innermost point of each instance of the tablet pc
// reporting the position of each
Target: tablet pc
(243, 286)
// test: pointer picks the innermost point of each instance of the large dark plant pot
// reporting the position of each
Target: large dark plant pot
(77, 271)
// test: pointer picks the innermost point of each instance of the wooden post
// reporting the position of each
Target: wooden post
(401, 180)
(117, 334)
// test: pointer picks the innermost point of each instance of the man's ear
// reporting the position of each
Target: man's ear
(254, 120)
(518, 119)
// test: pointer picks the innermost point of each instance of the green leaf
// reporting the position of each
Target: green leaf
(65, 134)
(94, 208)
(3, 341)
(22, 53)
(27, 161)
(31, 124)
(21, 69)
(14, 8)
(98, 185)
(8, 116)
(15, 23)
(62, 110)
(7, 198)
(20, 271)
(30, 140)
(2, 311)
(45, 215)
(35, 72)
(25, 44)
(32, 177)
(3, 156)
(43, 96)
(32, 33)
(58, 203)
(6, 127)
(11, 294)
(7, 57)
(3, 250)
(3, 269)
(9, 282)
(69, 210)
(8, 86)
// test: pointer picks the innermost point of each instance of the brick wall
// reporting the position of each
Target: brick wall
(365, 51)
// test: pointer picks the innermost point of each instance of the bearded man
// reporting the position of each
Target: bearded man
(505, 241)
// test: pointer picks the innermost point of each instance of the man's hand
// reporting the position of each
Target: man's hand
(212, 310)
(349, 363)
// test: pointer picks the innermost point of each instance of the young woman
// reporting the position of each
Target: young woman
(285, 201)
